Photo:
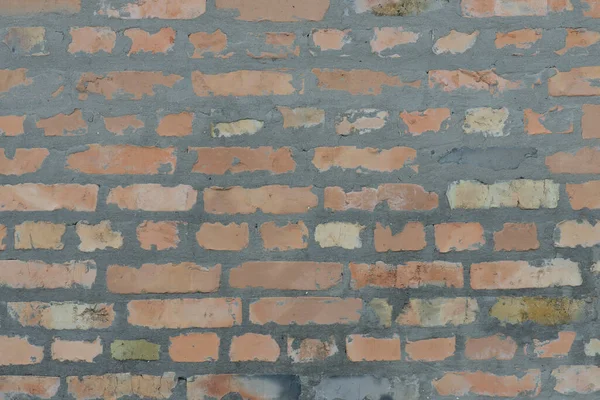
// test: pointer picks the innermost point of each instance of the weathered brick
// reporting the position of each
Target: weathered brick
(274, 199)
(236, 128)
(292, 236)
(162, 235)
(554, 348)
(123, 124)
(185, 313)
(524, 275)
(235, 160)
(223, 237)
(98, 237)
(16, 350)
(437, 349)
(584, 195)
(364, 348)
(516, 237)
(410, 238)
(253, 347)
(204, 42)
(185, 277)
(280, 45)
(540, 310)
(12, 125)
(133, 85)
(39, 197)
(579, 38)
(361, 121)
(358, 81)
(123, 159)
(28, 41)
(487, 384)
(301, 117)
(388, 38)
(24, 161)
(575, 82)
(305, 310)
(520, 39)
(277, 10)
(576, 379)
(495, 347)
(513, 8)
(142, 9)
(486, 80)
(412, 274)
(398, 196)
(92, 40)
(116, 386)
(286, 275)
(339, 234)
(590, 122)
(584, 161)
(573, 233)
(591, 8)
(459, 236)
(455, 42)
(76, 350)
(243, 83)
(44, 387)
(3, 235)
(64, 124)
(330, 39)
(350, 157)
(146, 42)
(311, 350)
(202, 387)
(439, 311)
(11, 78)
(176, 125)
(39, 275)
(153, 197)
(194, 347)
(62, 315)
(486, 121)
(430, 120)
(140, 349)
(28, 7)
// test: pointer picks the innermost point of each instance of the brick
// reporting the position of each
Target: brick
(330, 39)
(520, 39)
(459, 236)
(92, 39)
(176, 125)
(439, 311)
(98, 237)
(11, 78)
(243, 83)
(554, 348)
(153, 197)
(286, 275)
(236, 128)
(555, 120)
(487, 384)
(525, 194)
(3, 235)
(573, 233)
(39, 275)
(389, 7)
(131, 85)
(254, 347)
(437, 349)
(455, 42)
(185, 313)
(123, 124)
(311, 350)
(62, 315)
(411, 274)
(123, 160)
(25, 8)
(525, 275)
(540, 310)
(364, 348)
(144, 9)
(579, 38)
(24, 161)
(576, 379)
(410, 238)
(339, 234)
(17, 350)
(39, 235)
(382, 310)
(388, 38)
(361, 121)
(398, 196)
(12, 125)
(141, 349)
(44, 387)
(495, 347)
(194, 347)
(64, 124)
(217, 236)
(202, 387)
(430, 120)
(204, 42)
(590, 122)
(591, 8)
(162, 235)
(38, 197)
(371, 159)
(575, 82)
(358, 81)
(584, 161)
(592, 348)
(277, 10)
(486, 121)
(146, 42)
(75, 350)
(27, 41)
(584, 195)
(116, 386)
(516, 237)
(305, 310)
(292, 236)
(513, 8)
(486, 80)
(282, 45)
(235, 160)
(274, 199)
(301, 117)
(185, 277)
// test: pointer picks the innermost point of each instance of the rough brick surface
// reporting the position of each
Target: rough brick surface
(299, 199)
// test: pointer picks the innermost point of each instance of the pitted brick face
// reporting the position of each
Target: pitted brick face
(299, 199)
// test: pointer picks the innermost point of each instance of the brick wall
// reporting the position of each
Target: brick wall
(299, 199)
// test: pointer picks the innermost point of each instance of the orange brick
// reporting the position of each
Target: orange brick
(92, 40)
(555, 348)
(358, 81)
(253, 347)
(487, 80)
(39, 275)
(584, 195)
(64, 124)
(132, 85)
(120, 385)
(44, 387)
(590, 122)
(12, 125)
(437, 349)
(146, 42)
(310, 350)
(223, 237)
(277, 10)
(243, 83)
(275, 199)
(364, 348)
(75, 350)
(495, 347)
(330, 39)
(412, 274)
(177, 125)
(410, 238)
(143, 9)
(516, 237)
(220, 160)
(398, 196)
(120, 125)
(305, 310)
(204, 42)
(430, 120)
(350, 157)
(521, 39)
(29, 7)
(38, 197)
(459, 236)
(16, 350)
(10, 79)
(487, 384)
(123, 159)
(292, 236)
(24, 161)
(523, 275)
(153, 197)
(62, 315)
(575, 82)
(286, 275)
(194, 347)
(162, 235)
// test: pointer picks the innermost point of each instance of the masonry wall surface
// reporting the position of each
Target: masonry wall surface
(299, 199)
